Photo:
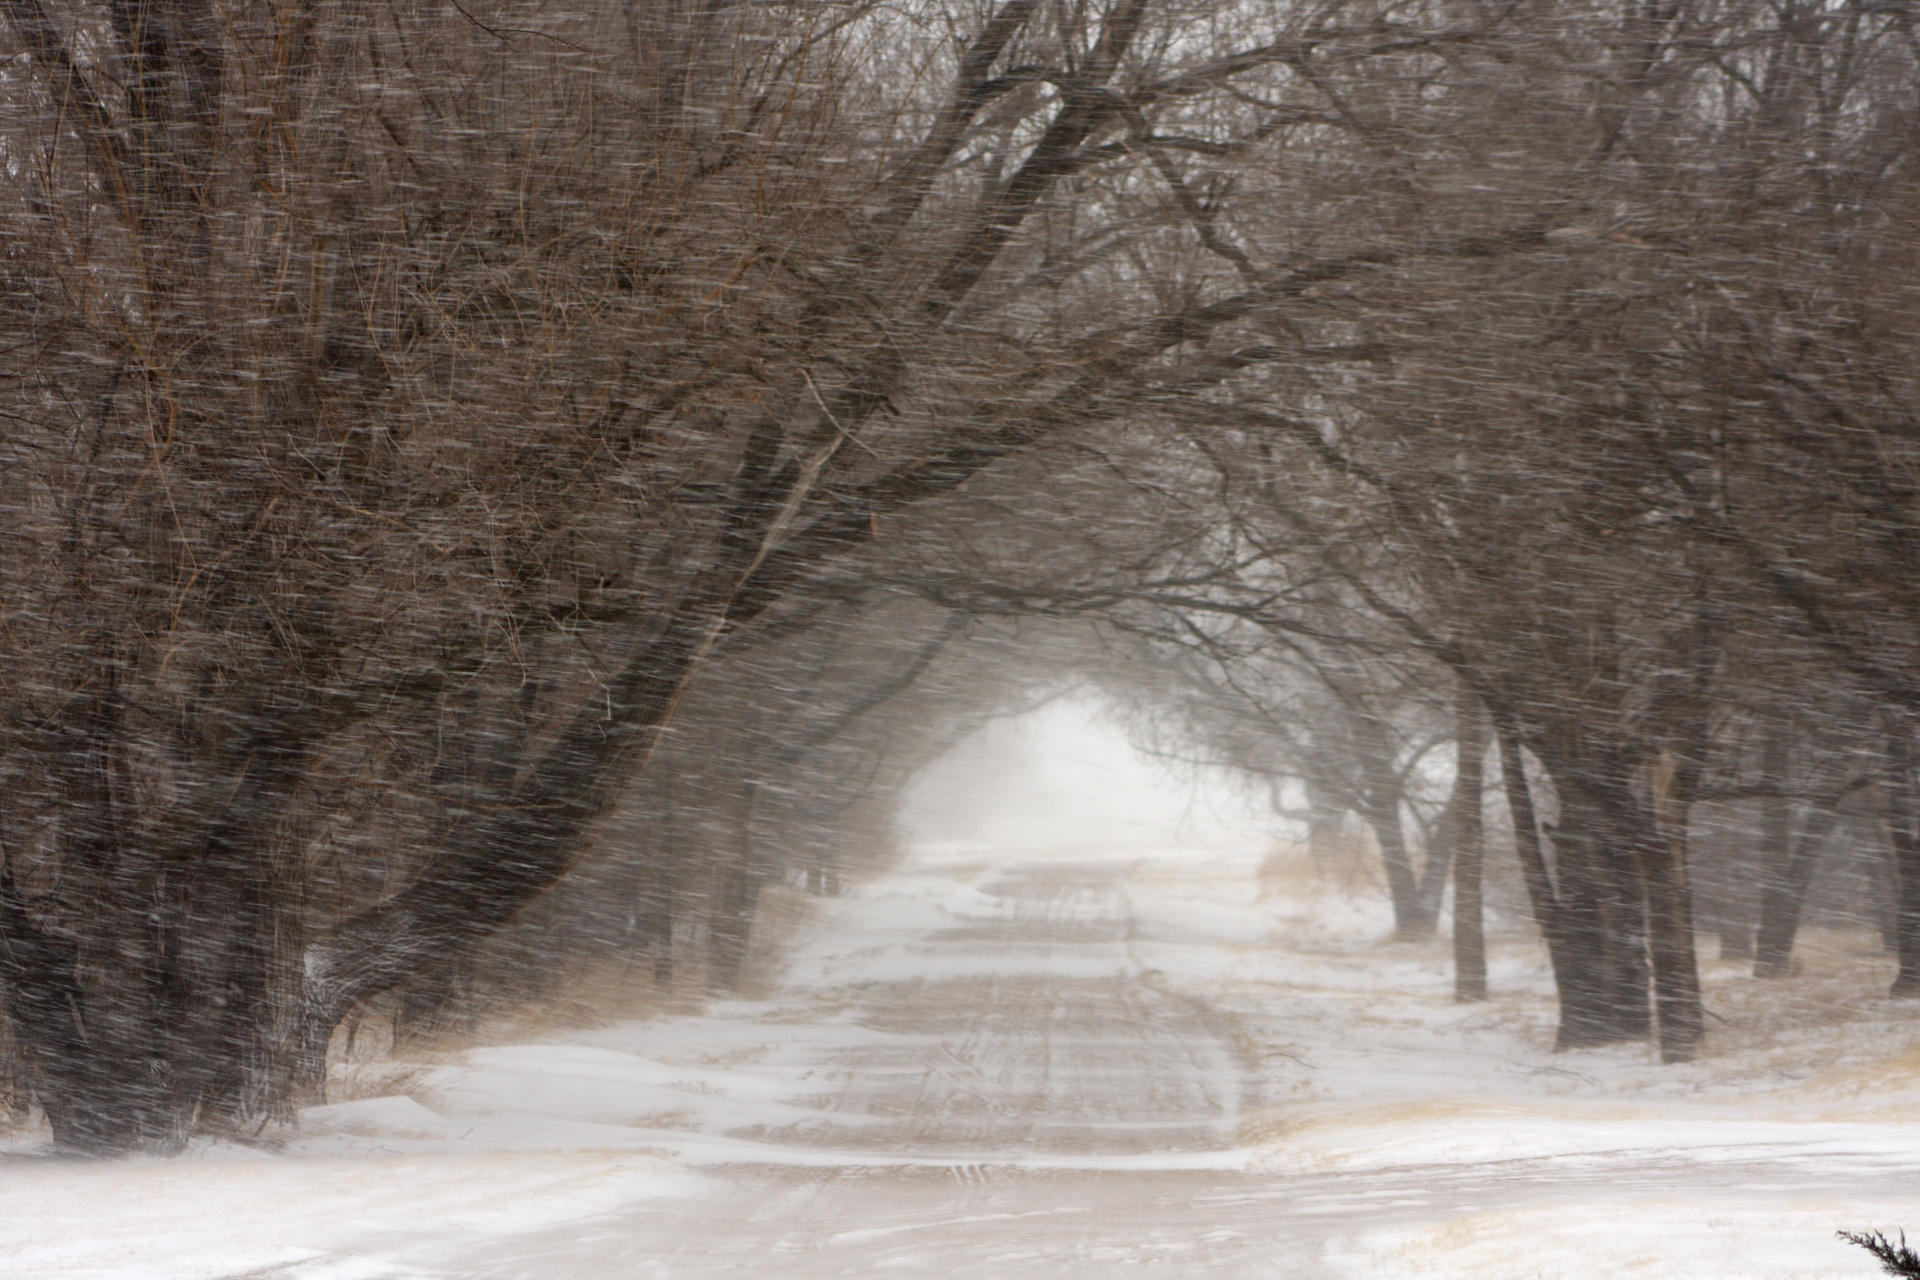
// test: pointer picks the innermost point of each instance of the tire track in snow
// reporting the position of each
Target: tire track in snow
(1036, 1056)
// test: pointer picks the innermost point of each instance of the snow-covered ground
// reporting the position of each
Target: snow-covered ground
(1063, 1062)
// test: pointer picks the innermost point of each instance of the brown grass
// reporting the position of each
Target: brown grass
(363, 1060)
(1338, 862)
(784, 915)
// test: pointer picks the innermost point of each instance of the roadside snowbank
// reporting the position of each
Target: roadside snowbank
(1802, 1084)
(229, 1211)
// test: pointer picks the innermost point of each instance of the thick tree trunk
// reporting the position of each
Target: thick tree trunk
(39, 970)
(1676, 966)
(1663, 868)
(1606, 995)
(166, 1008)
(1603, 999)
(1625, 929)
(1572, 978)
(1469, 936)
(1643, 922)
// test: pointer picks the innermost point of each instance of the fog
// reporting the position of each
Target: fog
(1064, 778)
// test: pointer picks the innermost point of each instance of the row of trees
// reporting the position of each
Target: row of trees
(413, 409)
(1592, 403)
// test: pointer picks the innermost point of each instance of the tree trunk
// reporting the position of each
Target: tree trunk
(166, 1009)
(1783, 878)
(1469, 937)
(1904, 822)
(1582, 1010)
(1430, 887)
(659, 887)
(1604, 997)
(1604, 923)
(1663, 868)
(737, 893)
(1382, 813)
(1885, 883)
(1625, 930)
(1788, 888)
(514, 854)
(1740, 902)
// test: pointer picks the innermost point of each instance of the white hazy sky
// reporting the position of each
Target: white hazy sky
(1062, 778)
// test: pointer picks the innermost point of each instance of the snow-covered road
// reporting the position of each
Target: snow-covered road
(1061, 1066)
(1058, 1105)
(1031, 1033)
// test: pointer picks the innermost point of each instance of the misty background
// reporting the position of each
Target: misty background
(1065, 778)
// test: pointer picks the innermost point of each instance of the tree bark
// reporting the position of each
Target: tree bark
(1886, 881)
(1740, 905)
(1603, 907)
(730, 927)
(1663, 868)
(1904, 822)
(1382, 798)
(1583, 1011)
(188, 942)
(1604, 999)
(1469, 937)
(1430, 887)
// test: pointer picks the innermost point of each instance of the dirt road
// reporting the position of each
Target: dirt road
(1036, 1103)
(1057, 1046)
